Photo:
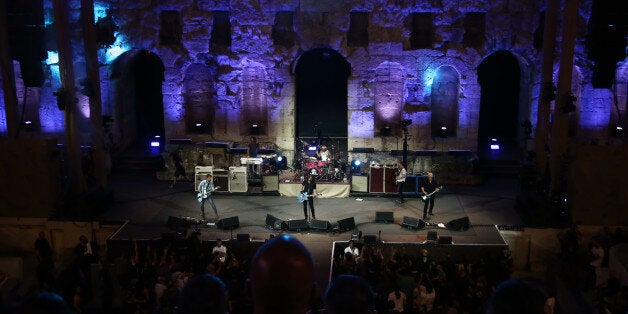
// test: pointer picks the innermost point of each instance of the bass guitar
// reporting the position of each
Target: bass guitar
(201, 196)
(426, 197)
(302, 196)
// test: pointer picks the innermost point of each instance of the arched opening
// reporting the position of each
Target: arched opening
(444, 101)
(499, 78)
(139, 113)
(321, 98)
(199, 99)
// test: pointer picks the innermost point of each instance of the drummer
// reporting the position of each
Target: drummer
(324, 154)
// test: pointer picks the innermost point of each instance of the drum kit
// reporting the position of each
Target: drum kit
(324, 170)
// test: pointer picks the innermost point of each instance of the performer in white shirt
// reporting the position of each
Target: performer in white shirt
(401, 180)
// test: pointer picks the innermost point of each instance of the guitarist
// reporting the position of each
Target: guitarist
(309, 187)
(205, 189)
(430, 185)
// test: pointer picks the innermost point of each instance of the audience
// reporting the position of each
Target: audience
(189, 276)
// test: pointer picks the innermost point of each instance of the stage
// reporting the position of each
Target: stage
(144, 205)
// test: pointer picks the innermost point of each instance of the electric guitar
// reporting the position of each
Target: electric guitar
(302, 196)
(201, 196)
(426, 197)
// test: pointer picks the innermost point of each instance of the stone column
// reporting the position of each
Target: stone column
(95, 102)
(8, 76)
(547, 69)
(560, 119)
(66, 70)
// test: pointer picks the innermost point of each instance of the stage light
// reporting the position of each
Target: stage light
(27, 122)
(312, 148)
(619, 131)
(154, 143)
(281, 162)
(198, 125)
(355, 165)
(494, 144)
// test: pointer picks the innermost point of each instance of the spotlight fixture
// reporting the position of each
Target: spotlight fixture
(356, 165)
(494, 144)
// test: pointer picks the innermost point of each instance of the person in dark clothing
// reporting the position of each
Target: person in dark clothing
(309, 187)
(179, 168)
(429, 186)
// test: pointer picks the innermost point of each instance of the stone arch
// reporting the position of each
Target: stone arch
(444, 101)
(388, 87)
(253, 99)
(199, 101)
(136, 77)
(321, 93)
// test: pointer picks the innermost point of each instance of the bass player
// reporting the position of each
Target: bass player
(429, 186)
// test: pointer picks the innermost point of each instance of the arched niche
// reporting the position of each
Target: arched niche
(499, 76)
(388, 87)
(321, 95)
(198, 95)
(253, 97)
(444, 102)
(137, 76)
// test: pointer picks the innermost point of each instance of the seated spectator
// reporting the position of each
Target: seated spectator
(399, 299)
(220, 251)
(281, 278)
(204, 294)
(355, 253)
(349, 294)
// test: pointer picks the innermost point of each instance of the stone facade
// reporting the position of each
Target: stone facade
(230, 83)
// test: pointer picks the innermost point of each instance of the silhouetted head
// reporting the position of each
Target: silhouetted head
(203, 294)
(45, 302)
(516, 297)
(349, 294)
(281, 278)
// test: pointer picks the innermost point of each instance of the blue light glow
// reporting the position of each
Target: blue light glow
(357, 162)
(279, 158)
(154, 144)
(100, 11)
(494, 146)
(119, 47)
(428, 78)
(53, 57)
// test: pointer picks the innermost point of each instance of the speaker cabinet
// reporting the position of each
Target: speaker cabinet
(274, 222)
(297, 224)
(359, 183)
(384, 217)
(270, 183)
(237, 179)
(412, 223)
(432, 236)
(229, 223)
(445, 240)
(369, 239)
(243, 237)
(322, 225)
(346, 224)
(460, 224)
(221, 179)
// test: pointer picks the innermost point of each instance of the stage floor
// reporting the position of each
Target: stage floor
(147, 204)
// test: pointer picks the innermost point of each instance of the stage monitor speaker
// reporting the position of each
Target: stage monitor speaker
(243, 237)
(322, 225)
(181, 141)
(221, 179)
(346, 224)
(445, 240)
(460, 224)
(229, 223)
(412, 223)
(384, 217)
(274, 222)
(432, 236)
(369, 239)
(176, 223)
(297, 224)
